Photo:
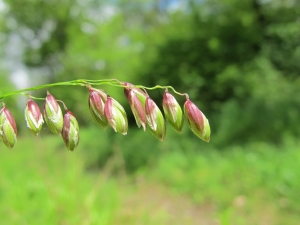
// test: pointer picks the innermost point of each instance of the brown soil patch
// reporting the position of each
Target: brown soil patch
(151, 203)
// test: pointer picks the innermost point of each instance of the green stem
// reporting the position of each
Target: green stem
(163, 87)
(84, 82)
(80, 82)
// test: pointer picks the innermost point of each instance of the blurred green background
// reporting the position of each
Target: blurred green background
(238, 60)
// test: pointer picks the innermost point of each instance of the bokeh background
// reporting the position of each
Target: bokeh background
(238, 60)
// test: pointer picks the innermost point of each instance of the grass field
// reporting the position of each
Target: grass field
(43, 183)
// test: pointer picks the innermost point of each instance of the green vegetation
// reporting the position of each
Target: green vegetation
(237, 60)
(245, 185)
(181, 183)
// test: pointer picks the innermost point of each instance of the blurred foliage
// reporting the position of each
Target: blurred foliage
(238, 60)
(41, 182)
(255, 186)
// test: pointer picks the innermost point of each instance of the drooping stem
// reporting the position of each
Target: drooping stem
(64, 105)
(80, 82)
(84, 82)
(163, 87)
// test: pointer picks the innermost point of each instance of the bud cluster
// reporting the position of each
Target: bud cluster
(148, 114)
(66, 126)
(106, 111)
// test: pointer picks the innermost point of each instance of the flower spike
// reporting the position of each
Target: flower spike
(116, 116)
(155, 119)
(173, 111)
(53, 114)
(97, 101)
(8, 128)
(137, 91)
(105, 111)
(197, 120)
(137, 108)
(70, 131)
(33, 117)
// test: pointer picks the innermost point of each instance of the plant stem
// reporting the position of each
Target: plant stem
(163, 87)
(84, 82)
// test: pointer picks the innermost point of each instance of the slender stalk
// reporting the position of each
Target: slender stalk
(84, 82)
(163, 87)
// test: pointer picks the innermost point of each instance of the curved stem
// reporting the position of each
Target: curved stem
(85, 82)
(32, 97)
(163, 87)
(79, 82)
(64, 105)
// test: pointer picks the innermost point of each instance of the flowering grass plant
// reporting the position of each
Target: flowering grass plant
(105, 111)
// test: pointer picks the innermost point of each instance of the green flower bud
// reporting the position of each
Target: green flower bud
(197, 121)
(70, 131)
(155, 119)
(33, 117)
(53, 115)
(8, 128)
(97, 101)
(173, 111)
(116, 116)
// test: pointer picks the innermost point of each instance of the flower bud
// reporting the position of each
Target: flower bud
(137, 91)
(116, 116)
(33, 117)
(70, 131)
(97, 101)
(197, 121)
(155, 119)
(137, 109)
(173, 111)
(8, 128)
(53, 115)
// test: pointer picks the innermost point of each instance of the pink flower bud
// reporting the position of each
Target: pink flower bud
(127, 88)
(197, 121)
(137, 108)
(116, 116)
(53, 114)
(33, 117)
(97, 101)
(155, 119)
(173, 111)
(8, 128)
(70, 131)
(137, 91)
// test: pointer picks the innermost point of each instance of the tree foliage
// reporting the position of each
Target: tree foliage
(238, 59)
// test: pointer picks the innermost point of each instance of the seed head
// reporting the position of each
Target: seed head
(53, 115)
(116, 116)
(197, 120)
(8, 128)
(33, 117)
(70, 131)
(155, 119)
(97, 101)
(173, 111)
